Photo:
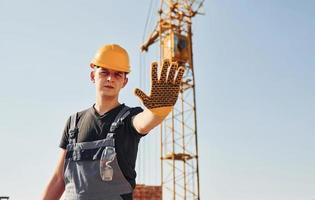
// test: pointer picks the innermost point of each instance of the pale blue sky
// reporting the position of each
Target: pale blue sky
(254, 67)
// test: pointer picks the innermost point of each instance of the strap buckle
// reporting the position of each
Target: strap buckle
(73, 133)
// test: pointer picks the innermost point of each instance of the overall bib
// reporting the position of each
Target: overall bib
(91, 170)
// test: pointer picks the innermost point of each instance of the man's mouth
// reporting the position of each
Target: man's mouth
(108, 86)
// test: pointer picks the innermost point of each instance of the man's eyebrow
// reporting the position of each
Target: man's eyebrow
(107, 70)
(103, 70)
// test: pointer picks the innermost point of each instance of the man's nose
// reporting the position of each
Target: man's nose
(109, 77)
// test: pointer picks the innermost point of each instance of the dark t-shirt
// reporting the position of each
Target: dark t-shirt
(93, 127)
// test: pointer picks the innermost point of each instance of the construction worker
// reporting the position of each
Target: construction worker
(99, 145)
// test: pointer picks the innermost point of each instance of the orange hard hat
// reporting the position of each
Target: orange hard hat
(113, 57)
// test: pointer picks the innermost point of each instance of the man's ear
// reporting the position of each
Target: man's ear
(92, 76)
(125, 82)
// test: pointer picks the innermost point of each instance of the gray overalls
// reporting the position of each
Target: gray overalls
(91, 170)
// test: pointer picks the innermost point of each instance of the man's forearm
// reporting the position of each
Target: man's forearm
(56, 184)
(146, 121)
(54, 189)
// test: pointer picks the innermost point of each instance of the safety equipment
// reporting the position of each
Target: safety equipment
(164, 92)
(113, 57)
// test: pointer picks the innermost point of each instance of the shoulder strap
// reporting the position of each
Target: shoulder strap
(119, 118)
(73, 131)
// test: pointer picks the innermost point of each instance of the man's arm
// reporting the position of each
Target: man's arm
(56, 185)
(145, 121)
(162, 98)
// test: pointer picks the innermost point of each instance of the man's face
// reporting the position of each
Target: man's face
(108, 82)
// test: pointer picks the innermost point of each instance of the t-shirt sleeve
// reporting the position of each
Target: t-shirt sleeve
(65, 137)
(133, 113)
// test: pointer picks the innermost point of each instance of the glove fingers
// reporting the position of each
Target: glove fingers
(154, 78)
(165, 66)
(139, 93)
(171, 74)
(180, 74)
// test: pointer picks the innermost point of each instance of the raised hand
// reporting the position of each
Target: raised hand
(164, 91)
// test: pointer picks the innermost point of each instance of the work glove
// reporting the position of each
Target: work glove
(164, 91)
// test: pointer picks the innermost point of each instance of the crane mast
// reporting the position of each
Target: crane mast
(178, 132)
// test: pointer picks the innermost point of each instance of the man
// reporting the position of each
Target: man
(99, 145)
